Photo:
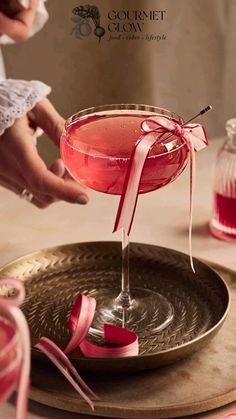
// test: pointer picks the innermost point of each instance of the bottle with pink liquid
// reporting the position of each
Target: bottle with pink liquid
(223, 222)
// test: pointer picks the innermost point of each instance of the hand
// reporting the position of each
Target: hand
(15, 20)
(21, 167)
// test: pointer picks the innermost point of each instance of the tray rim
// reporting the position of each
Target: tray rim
(144, 356)
(176, 410)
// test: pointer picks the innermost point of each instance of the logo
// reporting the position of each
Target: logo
(85, 17)
(146, 25)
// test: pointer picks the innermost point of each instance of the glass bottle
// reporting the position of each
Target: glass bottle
(223, 222)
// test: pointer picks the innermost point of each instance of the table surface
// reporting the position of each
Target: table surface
(161, 219)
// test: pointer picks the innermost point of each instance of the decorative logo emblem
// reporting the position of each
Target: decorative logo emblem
(85, 17)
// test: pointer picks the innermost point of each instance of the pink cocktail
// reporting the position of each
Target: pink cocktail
(96, 146)
(223, 223)
(96, 151)
(10, 358)
(14, 345)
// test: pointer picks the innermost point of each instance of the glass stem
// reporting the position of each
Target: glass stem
(124, 298)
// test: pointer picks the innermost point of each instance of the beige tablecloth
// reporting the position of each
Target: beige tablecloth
(161, 219)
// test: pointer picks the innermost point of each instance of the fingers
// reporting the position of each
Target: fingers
(41, 202)
(9, 184)
(31, 173)
(17, 22)
(41, 181)
(60, 188)
(45, 116)
(18, 189)
(58, 168)
(13, 28)
(26, 170)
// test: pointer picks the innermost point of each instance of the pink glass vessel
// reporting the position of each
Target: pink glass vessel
(10, 358)
(223, 221)
(96, 146)
(96, 151)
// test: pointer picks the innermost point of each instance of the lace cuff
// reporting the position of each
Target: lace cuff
(17, 97)
(40, 19)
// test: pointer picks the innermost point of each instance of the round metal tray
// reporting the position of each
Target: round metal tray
(53, 277)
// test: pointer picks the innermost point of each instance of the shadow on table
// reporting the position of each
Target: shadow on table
(199, 230)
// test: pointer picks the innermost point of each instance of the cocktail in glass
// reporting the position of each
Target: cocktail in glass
(10, 357)
(96, 146)
(14, 345)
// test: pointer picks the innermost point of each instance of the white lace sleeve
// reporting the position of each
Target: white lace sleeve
(17, 97)
(40, 19)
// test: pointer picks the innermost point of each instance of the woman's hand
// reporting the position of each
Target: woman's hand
(15, 20)
(21, 167)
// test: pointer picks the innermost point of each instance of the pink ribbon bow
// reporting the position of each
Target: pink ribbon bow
(154, 129)
(191, 132)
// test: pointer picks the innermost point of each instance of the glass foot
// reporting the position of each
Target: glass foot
(222, 232)
(148, 313)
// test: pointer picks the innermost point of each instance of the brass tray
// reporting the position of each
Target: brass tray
(54, 276)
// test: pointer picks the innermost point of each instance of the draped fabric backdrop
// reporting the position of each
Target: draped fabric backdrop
(194, 66)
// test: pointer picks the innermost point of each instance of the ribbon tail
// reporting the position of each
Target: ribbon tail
(129, 196)
(197, 135)
(55, 355)
(192, 188)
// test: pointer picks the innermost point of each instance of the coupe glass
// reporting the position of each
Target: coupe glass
(10, 357)
(96, 145)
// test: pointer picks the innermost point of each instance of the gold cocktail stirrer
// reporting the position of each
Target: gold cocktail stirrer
(202, 112)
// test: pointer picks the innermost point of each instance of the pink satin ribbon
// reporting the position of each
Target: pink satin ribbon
(154, 129)
(80, 320)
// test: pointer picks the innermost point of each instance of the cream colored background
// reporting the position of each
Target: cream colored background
(194, 66)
